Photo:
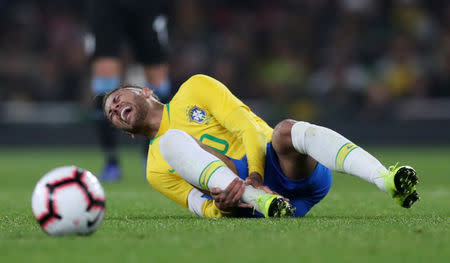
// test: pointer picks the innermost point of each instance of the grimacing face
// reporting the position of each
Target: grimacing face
(127, 109)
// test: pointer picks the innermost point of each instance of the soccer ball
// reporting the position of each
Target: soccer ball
(68, 200)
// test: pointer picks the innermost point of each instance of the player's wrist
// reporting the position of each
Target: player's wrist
(256, 177)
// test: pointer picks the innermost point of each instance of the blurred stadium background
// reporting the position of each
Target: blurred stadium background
(378, 71)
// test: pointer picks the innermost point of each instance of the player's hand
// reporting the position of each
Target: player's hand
(255, 179)
(231, 196)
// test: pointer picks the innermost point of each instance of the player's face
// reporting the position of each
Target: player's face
(127, 109)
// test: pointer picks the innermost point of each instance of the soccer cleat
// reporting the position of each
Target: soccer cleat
(401, 185)
(271, 205)
(111, 173)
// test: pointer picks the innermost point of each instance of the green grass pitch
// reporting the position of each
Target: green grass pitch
(354, 223)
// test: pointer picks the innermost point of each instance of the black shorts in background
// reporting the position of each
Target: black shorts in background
(113, 21)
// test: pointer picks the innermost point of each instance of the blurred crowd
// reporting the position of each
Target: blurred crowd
(309, 58)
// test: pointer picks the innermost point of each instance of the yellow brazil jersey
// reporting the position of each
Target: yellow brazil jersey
(204, 108)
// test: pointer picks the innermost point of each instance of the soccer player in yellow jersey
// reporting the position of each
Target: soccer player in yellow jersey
(211, 154)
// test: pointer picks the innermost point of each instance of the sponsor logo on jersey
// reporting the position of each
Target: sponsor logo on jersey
(197, 115)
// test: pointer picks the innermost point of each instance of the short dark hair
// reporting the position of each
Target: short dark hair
(124, 86)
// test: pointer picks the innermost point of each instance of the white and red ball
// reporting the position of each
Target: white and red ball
(68, 200)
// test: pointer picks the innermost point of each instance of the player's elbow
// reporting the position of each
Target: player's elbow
(199, 77)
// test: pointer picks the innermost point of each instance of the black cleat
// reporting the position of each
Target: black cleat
(281, 208)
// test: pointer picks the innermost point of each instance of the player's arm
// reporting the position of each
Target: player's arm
(234, 115)
(184, 194)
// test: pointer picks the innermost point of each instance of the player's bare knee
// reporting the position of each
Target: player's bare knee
(283, 128)
(281, 139)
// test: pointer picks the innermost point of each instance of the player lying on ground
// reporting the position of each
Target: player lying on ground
(294, 159)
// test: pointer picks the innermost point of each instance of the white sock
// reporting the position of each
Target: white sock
(336, 152)
(199, 167)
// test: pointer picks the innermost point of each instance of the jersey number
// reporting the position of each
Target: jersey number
(217, 144)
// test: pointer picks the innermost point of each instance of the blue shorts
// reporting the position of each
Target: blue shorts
(303, 193)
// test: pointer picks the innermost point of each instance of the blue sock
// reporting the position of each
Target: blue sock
(162, 90)
(102, 85)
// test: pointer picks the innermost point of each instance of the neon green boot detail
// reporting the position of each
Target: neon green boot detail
(271, 205)
(401, 184)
